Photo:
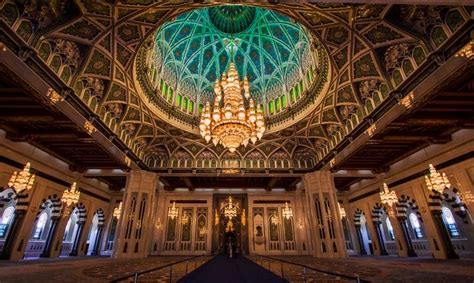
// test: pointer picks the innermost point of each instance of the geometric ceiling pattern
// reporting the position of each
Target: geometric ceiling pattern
(374, 50)
(270, 49)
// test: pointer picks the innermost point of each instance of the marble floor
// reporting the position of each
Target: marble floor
(104, 269)
(373, 269)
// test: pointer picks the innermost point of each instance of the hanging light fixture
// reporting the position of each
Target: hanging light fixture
(387, 196)
(342, 211)
(287, 211)
(173, 211)
(117, 211)
(435, 181)
(230, 209)
(22, 181)
(71, 195)
(230, 122)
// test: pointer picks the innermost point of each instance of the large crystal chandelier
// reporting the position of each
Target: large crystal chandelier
(230, 209)
(436, 181)
(387, 196)
(71, 195)
(287, 211)
(229, 122)
(22, 181)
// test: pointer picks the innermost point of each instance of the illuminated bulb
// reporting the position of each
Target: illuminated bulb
(207, 137)
(259, 135)
(259, 122)
(215, 141)
(228, 112)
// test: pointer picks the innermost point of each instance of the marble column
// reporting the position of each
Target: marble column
(360, 240)
(95, 250)
(325, 225)
(400, 238)
(49, 239)
(378, 230)
(403, 222)
(75, 244)
(136, 225)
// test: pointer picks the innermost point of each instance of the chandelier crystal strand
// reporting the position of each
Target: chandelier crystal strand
(22, 181)
(173, 211)
(71, 195)
(436, 181)
(387, 196)
(287, 211)
(228, 122)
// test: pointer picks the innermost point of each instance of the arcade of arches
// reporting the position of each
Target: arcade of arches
(366, 154)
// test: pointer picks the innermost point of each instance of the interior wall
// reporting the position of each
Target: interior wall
(408, 181)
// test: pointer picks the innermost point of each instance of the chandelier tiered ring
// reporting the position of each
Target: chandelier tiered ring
(229, 122)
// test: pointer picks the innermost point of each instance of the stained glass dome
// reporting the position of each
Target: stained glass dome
(270, 49)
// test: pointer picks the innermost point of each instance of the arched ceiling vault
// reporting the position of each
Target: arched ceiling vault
(373, 49)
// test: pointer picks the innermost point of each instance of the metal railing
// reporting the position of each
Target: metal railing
(296, 272)
(170, 272)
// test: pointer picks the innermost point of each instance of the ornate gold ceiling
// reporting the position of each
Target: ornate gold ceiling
(374, 50)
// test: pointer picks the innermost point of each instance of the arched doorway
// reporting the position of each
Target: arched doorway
(366, 239)
(95, 233)
(7, 214)
(73, 231)
(44, 227)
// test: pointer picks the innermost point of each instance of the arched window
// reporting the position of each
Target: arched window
(40, 225)
(450, 222)
(391, 235)
(415, 225)
(5, 220)
(7, 215)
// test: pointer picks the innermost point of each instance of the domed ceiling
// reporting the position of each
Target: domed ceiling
(268, 48)
(101, 54)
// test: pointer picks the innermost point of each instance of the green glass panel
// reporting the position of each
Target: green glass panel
(292, 95)
(185, 104)
(283, 101)
(165, 90)
(201, 107)
(297, 91)
(154, 75)
(271, 49)
(191, 106)
(161, 86)
(179, 99)
(277, 105)
(170, 94)
(270, 107)
(301, 87)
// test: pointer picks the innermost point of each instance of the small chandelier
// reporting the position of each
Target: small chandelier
(71, 195)
(342, 211)
(287, 211)
(117, 211)
(173, 211)
(22, 181)
(230, 209)
(435, 181)
(387, 196)
(229, 122)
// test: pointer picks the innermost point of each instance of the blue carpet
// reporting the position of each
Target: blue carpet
(222, 269)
